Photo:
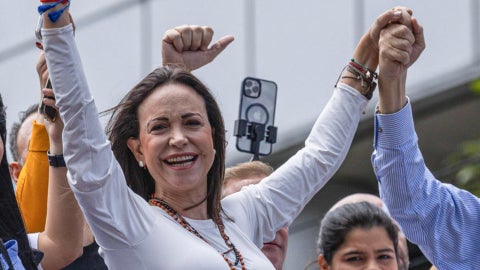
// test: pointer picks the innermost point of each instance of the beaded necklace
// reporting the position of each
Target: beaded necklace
(184, 223)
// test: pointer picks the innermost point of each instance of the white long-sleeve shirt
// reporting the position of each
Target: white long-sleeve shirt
(134, 235)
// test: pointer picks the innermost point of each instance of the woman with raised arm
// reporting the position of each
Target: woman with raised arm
(159, 206)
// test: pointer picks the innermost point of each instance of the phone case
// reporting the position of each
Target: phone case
(257, 110)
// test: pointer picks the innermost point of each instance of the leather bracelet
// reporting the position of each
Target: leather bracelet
(367, 81)
(56, 161)
(360, 73)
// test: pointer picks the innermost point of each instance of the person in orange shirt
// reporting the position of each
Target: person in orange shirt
(29, 144)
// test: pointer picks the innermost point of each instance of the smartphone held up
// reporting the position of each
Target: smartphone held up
(49, 112)
(255, 128)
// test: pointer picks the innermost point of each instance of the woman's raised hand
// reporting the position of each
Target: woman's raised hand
(188, 46)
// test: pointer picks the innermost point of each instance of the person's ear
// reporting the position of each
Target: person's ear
(15, 168)
(322, 263)
(136, 147)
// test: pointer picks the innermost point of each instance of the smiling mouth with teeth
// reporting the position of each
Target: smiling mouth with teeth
(181, 161)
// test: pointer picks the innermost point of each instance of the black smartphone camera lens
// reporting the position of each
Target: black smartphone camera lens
(252, 88)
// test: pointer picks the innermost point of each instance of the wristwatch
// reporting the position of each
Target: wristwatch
(56, 161)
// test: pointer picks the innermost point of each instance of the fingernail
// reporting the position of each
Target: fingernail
(397, 13)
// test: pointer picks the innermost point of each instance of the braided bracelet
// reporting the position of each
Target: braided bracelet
(363, 69)
(361, 73)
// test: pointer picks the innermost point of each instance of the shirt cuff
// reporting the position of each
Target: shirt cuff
(33, 240)
(57, 31)
(393, 130)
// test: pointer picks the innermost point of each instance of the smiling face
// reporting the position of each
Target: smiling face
(364, 249)
(175, 142)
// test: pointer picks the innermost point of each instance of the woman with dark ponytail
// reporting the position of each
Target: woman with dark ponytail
(357, 236)
(12, 229)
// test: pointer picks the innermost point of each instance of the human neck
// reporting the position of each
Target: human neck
(189, 207)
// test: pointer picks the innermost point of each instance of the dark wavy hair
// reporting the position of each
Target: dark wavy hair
(123, 124)
(11, 222)
(339, 222)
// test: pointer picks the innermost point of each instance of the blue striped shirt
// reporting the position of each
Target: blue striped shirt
(444, 221)
(12, 251)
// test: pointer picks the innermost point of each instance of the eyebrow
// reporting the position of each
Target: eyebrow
(376, 251)
(153, 120)
(162, 118)
(385, 250)
(183, 117)
(352, 253)
(187, 115)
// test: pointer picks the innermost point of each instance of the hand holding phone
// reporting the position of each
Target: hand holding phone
(49, 112)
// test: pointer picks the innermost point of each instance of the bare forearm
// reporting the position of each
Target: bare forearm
(392, 98)
(62, 240)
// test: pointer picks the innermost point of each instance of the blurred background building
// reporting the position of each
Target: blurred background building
(301, 45)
